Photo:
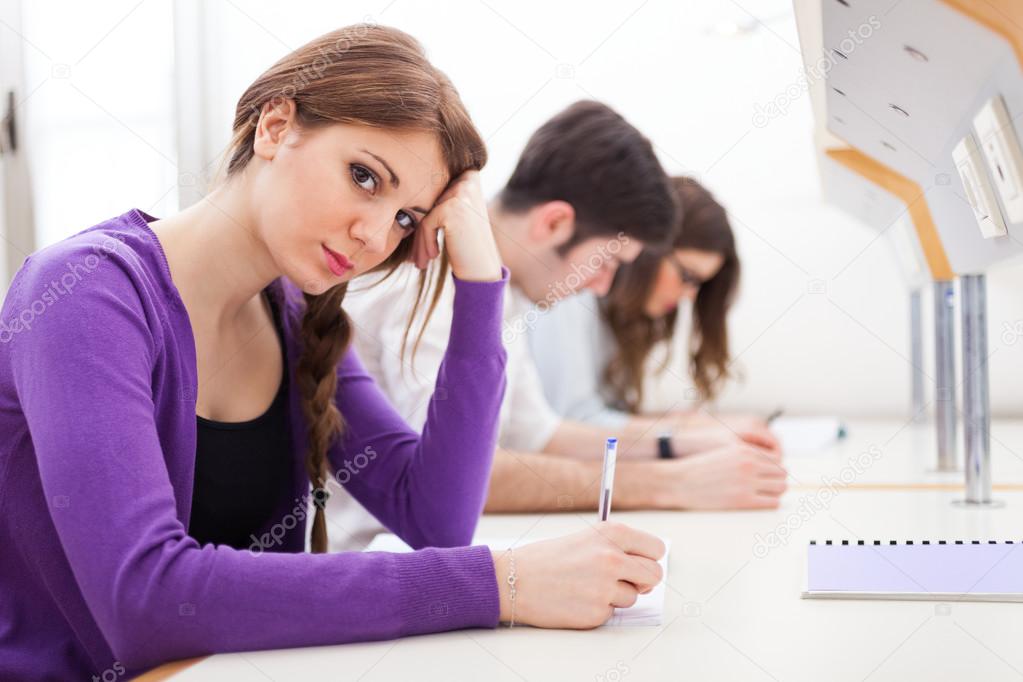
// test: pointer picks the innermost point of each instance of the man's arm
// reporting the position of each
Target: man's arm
(721, 479)
(638, 438)
(532, 482)
(537, 482)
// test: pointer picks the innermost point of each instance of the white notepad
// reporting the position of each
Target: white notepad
(807, 435)
(941, 570)
(648, 609)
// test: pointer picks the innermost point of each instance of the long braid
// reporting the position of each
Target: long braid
(326, 333)
(358, 75)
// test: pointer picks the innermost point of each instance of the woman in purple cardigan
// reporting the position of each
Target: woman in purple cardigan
(171, 390)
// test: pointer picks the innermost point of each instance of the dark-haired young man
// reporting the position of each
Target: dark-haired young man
(587, 194)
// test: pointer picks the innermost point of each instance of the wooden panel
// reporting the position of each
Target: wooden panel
(914, 487)
(909, 192)
(1004, 17)
(906, 93)
(167, 670)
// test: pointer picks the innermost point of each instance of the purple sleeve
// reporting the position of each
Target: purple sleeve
(430, 489)
(84, 378)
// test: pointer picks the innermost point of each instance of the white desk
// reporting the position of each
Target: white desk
(732, 613)
(908, 455)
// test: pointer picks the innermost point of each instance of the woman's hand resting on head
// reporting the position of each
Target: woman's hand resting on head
(461, 212)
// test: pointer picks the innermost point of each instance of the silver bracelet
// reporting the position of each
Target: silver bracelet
(511, 580)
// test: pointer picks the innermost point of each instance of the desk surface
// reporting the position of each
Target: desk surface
(906, 455)
(733, 609)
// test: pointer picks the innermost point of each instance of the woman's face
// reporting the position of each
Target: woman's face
(679, 277)
(335, 201)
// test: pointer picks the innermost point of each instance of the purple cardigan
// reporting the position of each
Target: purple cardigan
(98, 385)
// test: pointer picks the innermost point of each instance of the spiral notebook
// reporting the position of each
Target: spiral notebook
(941, 570)
(648, 609)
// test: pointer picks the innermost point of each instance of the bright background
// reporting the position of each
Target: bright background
(130, 102)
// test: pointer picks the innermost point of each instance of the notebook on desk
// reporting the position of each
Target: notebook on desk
(807, 435)
(940, 570)
(648, 609)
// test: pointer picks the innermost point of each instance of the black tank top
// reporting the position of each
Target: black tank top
(243, 470)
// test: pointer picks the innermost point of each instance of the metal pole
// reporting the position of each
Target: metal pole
(916, 353)
(976, 406)
(944, 360)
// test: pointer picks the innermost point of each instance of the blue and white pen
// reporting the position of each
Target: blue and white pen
(607, 478)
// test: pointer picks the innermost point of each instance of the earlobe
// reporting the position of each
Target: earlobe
(275, 120)
(554, 223)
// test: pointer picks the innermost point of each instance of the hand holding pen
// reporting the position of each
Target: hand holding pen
(578, 580)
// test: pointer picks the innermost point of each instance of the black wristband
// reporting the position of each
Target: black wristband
(664, 450)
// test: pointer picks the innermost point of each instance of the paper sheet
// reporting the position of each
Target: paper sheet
(807, 435)
(648, 609)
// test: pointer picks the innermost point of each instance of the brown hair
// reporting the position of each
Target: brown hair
(592, 158)
(705, 227)
(362, 75)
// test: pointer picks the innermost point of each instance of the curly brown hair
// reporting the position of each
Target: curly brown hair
(704, 226)
(363, 75)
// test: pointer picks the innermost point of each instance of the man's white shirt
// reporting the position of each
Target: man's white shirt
(380, 310)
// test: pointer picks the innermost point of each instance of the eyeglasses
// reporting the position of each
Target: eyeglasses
(685, 274)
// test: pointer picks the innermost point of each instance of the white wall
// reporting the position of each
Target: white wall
(98, 109)
(675, 70)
